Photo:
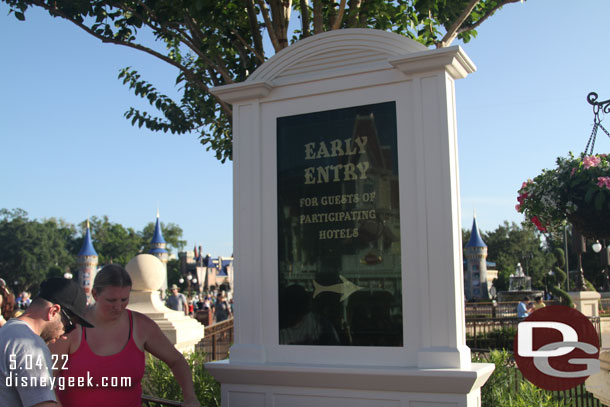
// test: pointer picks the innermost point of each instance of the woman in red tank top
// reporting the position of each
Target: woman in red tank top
(105, 364)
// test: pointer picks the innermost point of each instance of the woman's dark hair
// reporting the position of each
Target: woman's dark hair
(111, 275)
(8, 303)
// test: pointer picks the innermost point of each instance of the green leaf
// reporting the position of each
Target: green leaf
(589, 195)
(599, 200)
(20, 16)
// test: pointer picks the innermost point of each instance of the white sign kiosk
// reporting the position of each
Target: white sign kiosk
(347, 235)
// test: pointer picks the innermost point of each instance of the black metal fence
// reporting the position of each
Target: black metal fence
(217, 340)
(149, 401)
(485, 334)
(499, 333)
(494, 310)
(575, 397)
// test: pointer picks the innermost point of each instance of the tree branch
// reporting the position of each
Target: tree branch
(362, 17)
(241, 50)
(339, 17)
(180, 34)
(218, 65)
(254, 27)
(452, 31)
(318, 18)
(353, 12)
(280, 15)
(274, 40)
(305, 18)
(183, 37)
(489, 13)
(258, 56)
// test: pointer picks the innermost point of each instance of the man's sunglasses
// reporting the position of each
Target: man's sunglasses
(68, 324)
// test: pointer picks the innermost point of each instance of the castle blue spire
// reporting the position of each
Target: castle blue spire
(87, 248)
(157, 243)
(475, 237)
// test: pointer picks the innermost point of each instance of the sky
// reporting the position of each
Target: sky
(67, 151)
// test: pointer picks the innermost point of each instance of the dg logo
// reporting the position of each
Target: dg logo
(556, 348)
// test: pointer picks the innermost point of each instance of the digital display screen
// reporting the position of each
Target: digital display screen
(339, 228)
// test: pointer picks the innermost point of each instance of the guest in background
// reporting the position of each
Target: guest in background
(222, 308)
(522, 308)
(7, 303)
(538, 303)
(177, 300)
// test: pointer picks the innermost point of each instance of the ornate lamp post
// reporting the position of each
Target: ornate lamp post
(546, 278)
(189, 278)
(580, 246)
(605, 261)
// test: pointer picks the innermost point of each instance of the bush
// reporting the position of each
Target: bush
(159, 380)
(506, 387)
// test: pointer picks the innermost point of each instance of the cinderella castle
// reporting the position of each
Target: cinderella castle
(209, 273)
(88, 258)
(478, 272)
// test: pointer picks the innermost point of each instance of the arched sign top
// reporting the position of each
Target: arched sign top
(345, 49)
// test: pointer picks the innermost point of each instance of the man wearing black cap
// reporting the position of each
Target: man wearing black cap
(26, 367)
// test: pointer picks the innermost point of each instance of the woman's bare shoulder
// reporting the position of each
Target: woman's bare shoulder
(145, 329)
(143, 324)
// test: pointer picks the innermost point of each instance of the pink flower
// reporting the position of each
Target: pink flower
(603, 182)
(573, 171)
(518, 207)
(538, 224)
(522, 197)
(591, 161)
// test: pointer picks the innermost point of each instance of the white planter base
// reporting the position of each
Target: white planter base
(599, 384)
(586, 302)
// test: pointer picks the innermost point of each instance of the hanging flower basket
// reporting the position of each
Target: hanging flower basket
(577, 190)
(590, 221)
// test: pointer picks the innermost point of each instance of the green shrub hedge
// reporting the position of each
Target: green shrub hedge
(506, 387)
(159, 380)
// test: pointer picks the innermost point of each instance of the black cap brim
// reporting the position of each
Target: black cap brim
(78, 319)
(69, 295)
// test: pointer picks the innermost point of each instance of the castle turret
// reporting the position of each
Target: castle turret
(87, 263)
(157, 249)
(475, 274)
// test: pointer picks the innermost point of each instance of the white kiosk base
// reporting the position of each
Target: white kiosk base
(250, 385)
